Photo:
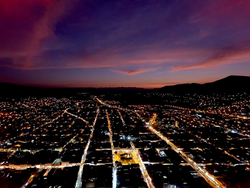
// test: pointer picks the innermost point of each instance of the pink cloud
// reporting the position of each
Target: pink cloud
(133, 72)
(233, 11)
(225, 56)
(24, 24)
(117, 61)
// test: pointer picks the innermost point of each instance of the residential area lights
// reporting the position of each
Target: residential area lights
(147, 144)
(143, 169)
(114, 169)
(210, 179)
(83, 159)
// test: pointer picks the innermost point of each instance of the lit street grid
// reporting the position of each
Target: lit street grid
(97, 143)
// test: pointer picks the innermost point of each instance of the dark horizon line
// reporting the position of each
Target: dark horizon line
(120, 87)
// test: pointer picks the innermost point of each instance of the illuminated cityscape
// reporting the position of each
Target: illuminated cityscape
(91, 141)
(124, 94)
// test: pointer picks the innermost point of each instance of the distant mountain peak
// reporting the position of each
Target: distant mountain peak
(232, 83)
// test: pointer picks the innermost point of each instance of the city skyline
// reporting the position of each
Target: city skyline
(122, 44)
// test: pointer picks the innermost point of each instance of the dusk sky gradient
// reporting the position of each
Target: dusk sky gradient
(130, 43)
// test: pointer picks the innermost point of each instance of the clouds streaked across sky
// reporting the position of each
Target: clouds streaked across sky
(109, 43)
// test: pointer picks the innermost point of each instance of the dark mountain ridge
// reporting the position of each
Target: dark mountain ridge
(230, 84)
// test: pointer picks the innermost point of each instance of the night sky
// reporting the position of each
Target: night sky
(129, 43)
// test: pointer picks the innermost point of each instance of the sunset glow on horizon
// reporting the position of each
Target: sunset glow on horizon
(108, 43)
